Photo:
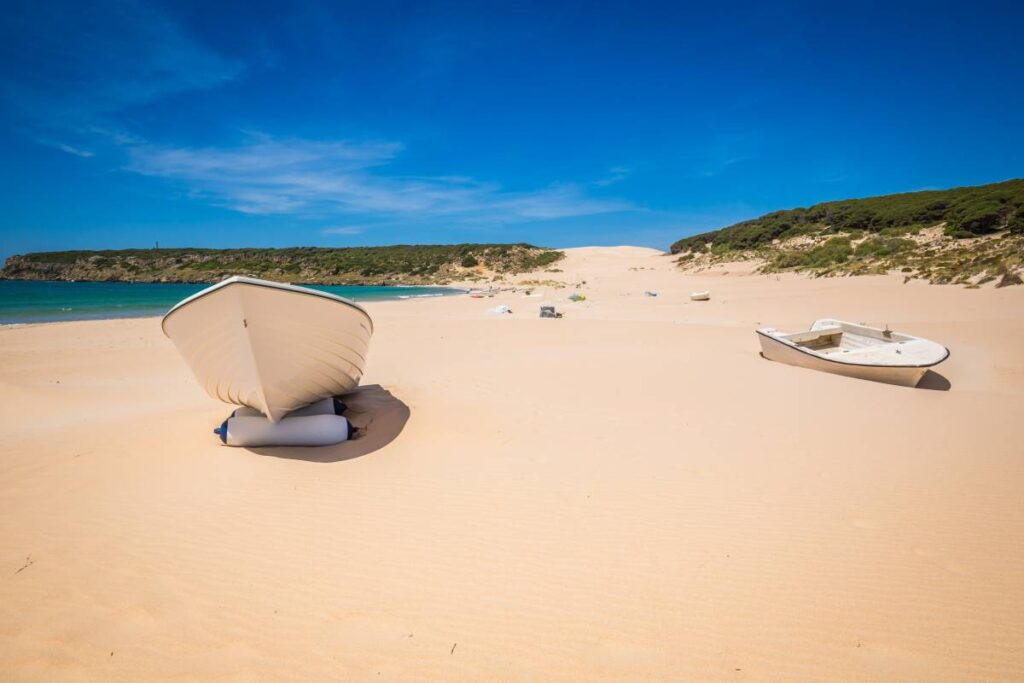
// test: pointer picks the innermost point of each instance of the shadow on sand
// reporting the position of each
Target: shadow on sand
(933, 381)
(373, 410)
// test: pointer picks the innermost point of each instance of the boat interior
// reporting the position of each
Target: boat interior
(831, 340)
(862, 345)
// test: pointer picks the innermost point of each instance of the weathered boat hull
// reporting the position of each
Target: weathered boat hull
(270, 346)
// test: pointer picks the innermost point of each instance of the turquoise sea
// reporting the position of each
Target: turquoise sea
(32, 302)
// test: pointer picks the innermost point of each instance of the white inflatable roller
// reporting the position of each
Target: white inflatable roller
(327, 406)
(308, 430)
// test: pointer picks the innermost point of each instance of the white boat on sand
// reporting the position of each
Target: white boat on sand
(270, 346)
(700, 296)
(854, 350)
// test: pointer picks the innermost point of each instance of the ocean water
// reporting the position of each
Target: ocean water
(30, 302)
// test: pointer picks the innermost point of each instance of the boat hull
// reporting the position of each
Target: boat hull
(272, 347)
(775, 350)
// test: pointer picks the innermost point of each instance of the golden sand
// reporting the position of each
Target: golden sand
(629, 493)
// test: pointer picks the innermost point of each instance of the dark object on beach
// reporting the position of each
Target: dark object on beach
(549, 312)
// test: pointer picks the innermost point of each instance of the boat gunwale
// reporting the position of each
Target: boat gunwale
(808, 352)
(254, 282)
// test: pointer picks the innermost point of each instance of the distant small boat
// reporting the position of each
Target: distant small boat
(270, 346)
(854, 350)
(700, 296)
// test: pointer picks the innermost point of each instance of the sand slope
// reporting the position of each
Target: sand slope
(629, 493)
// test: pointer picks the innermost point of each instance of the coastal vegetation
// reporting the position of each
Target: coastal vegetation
(392, 265)
(967, 235)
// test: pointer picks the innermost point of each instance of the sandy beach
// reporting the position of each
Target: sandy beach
(628, 493)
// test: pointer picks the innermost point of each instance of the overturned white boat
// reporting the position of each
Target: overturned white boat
(270, 346)
(854, 350)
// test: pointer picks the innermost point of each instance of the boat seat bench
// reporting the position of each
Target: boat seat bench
(812, 336)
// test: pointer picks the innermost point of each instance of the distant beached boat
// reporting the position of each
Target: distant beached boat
(854, 350)
(270, 346)
(700, 296)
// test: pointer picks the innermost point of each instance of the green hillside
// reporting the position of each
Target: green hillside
(401, 264)
(968, 235)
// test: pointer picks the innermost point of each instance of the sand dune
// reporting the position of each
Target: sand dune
(629, 493)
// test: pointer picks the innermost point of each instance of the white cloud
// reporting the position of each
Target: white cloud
(310, 177)
(92, 63)
(344, 230)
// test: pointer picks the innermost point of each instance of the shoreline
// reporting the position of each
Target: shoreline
(140, 310)
(209, 283)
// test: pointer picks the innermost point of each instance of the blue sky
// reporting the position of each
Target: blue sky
(559, 123)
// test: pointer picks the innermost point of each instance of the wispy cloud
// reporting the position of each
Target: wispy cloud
(721, 166)
(616, 174)
(311, 177)
(721, 153)
(90, 60)
(95, 64)
(66, 148)
(344, 230)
